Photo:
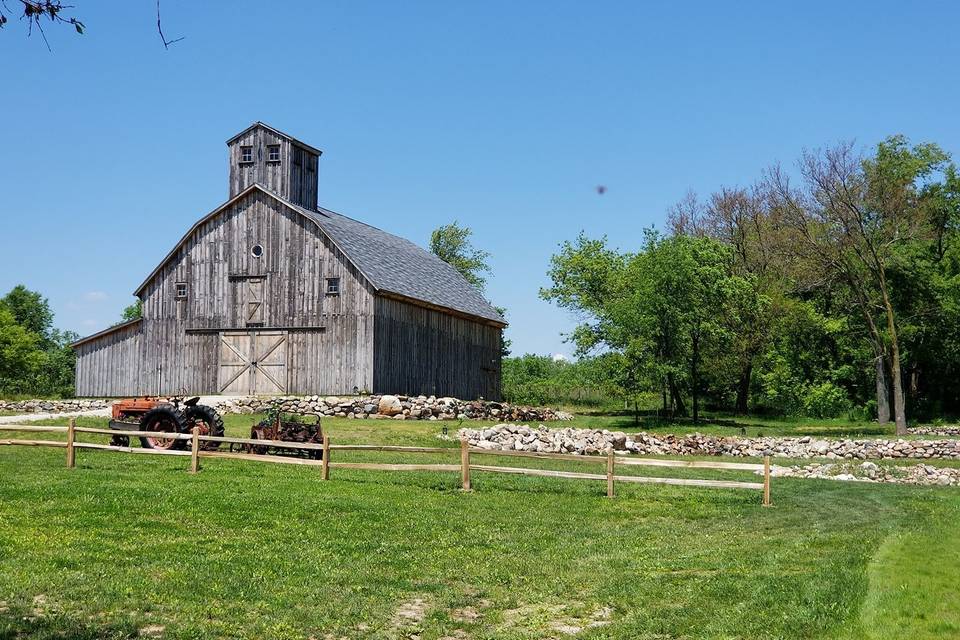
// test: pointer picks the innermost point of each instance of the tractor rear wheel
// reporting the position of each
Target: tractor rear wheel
(164, 418)
(209, 421)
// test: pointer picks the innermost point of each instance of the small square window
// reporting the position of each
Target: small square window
(273, 153)
(333, 286)
(246, 154)
(181, 290)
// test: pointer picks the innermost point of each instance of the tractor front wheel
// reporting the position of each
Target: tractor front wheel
(163, 419)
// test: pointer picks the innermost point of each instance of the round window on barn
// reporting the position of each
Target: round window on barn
(257, 250)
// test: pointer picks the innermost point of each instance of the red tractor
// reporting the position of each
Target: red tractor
(164, 415)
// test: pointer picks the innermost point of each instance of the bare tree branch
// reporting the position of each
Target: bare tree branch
(166, 43)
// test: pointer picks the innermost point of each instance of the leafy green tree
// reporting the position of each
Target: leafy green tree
(664, 310)
(741, 219)
(31, 311)
(452, 244)
(20, 355)
(133, 311)
(35, 358)
(851, 217)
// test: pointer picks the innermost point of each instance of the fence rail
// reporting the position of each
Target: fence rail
(466, 466)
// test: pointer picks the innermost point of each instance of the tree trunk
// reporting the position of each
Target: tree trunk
(883, 393)
(899, 410)
(676, 398)
(743, 390)
(695, 378)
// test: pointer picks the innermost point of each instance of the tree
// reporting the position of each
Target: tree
(20, 356)
(133, 311)
(851, 217)
(741, 219)
(665, 309)
(35, 358)
(31, 311)
(36, 12)
(451, 243)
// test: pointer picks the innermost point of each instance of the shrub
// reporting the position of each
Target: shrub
(826, 400)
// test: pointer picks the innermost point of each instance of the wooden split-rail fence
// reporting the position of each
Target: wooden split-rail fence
(467, 456)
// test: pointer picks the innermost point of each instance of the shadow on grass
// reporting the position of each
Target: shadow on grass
(17, 624)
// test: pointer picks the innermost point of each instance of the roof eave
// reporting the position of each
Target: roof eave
(299, 143)
(500, 324)
(107, 331)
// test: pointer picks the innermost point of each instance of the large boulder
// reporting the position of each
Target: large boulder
(389, 406)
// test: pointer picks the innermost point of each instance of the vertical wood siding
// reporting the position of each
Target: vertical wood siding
(294, 177)
(109, 365)
(333, 357)
(422, 351)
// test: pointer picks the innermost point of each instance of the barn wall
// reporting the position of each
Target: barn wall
(423, 351)
(110, 365)
(331, 350)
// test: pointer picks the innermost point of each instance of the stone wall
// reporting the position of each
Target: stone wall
(934, 431)
(866, 471)
(592, 441)
(395, 407)
(53, 406)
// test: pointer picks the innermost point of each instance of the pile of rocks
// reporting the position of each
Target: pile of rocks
(395, 407)
(587, 441)
(53, 406)
(935, 431)
(922, 474)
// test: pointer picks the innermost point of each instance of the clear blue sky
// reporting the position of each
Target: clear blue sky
(502, 115)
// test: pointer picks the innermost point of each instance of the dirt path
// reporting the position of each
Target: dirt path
(31, 417)
(214, 401)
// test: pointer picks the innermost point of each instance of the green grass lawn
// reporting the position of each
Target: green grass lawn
(125, 545)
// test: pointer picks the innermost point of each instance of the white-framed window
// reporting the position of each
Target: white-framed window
(246, 154)
(273, 153)
(181, 289)
(257, 250)
(333, 286)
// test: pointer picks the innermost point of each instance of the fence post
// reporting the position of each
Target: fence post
(325, 462)
(465, 463)
(766, 481)
(195, 451)
(71, 452)
(610, 472)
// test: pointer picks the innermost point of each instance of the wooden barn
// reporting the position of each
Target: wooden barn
(271, 294)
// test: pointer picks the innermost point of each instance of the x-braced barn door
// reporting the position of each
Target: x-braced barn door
(253, 363)
(254, 298)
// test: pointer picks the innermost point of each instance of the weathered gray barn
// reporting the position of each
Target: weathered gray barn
(271, 294)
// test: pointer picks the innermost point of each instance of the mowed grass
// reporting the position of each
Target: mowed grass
(126, 544)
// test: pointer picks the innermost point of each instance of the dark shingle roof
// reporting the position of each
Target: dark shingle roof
(395, 265)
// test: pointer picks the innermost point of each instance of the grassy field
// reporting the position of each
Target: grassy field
(127, 545)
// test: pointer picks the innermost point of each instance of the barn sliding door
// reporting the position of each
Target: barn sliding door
(253, 363)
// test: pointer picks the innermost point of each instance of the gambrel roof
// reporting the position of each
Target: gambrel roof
(391, 264)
